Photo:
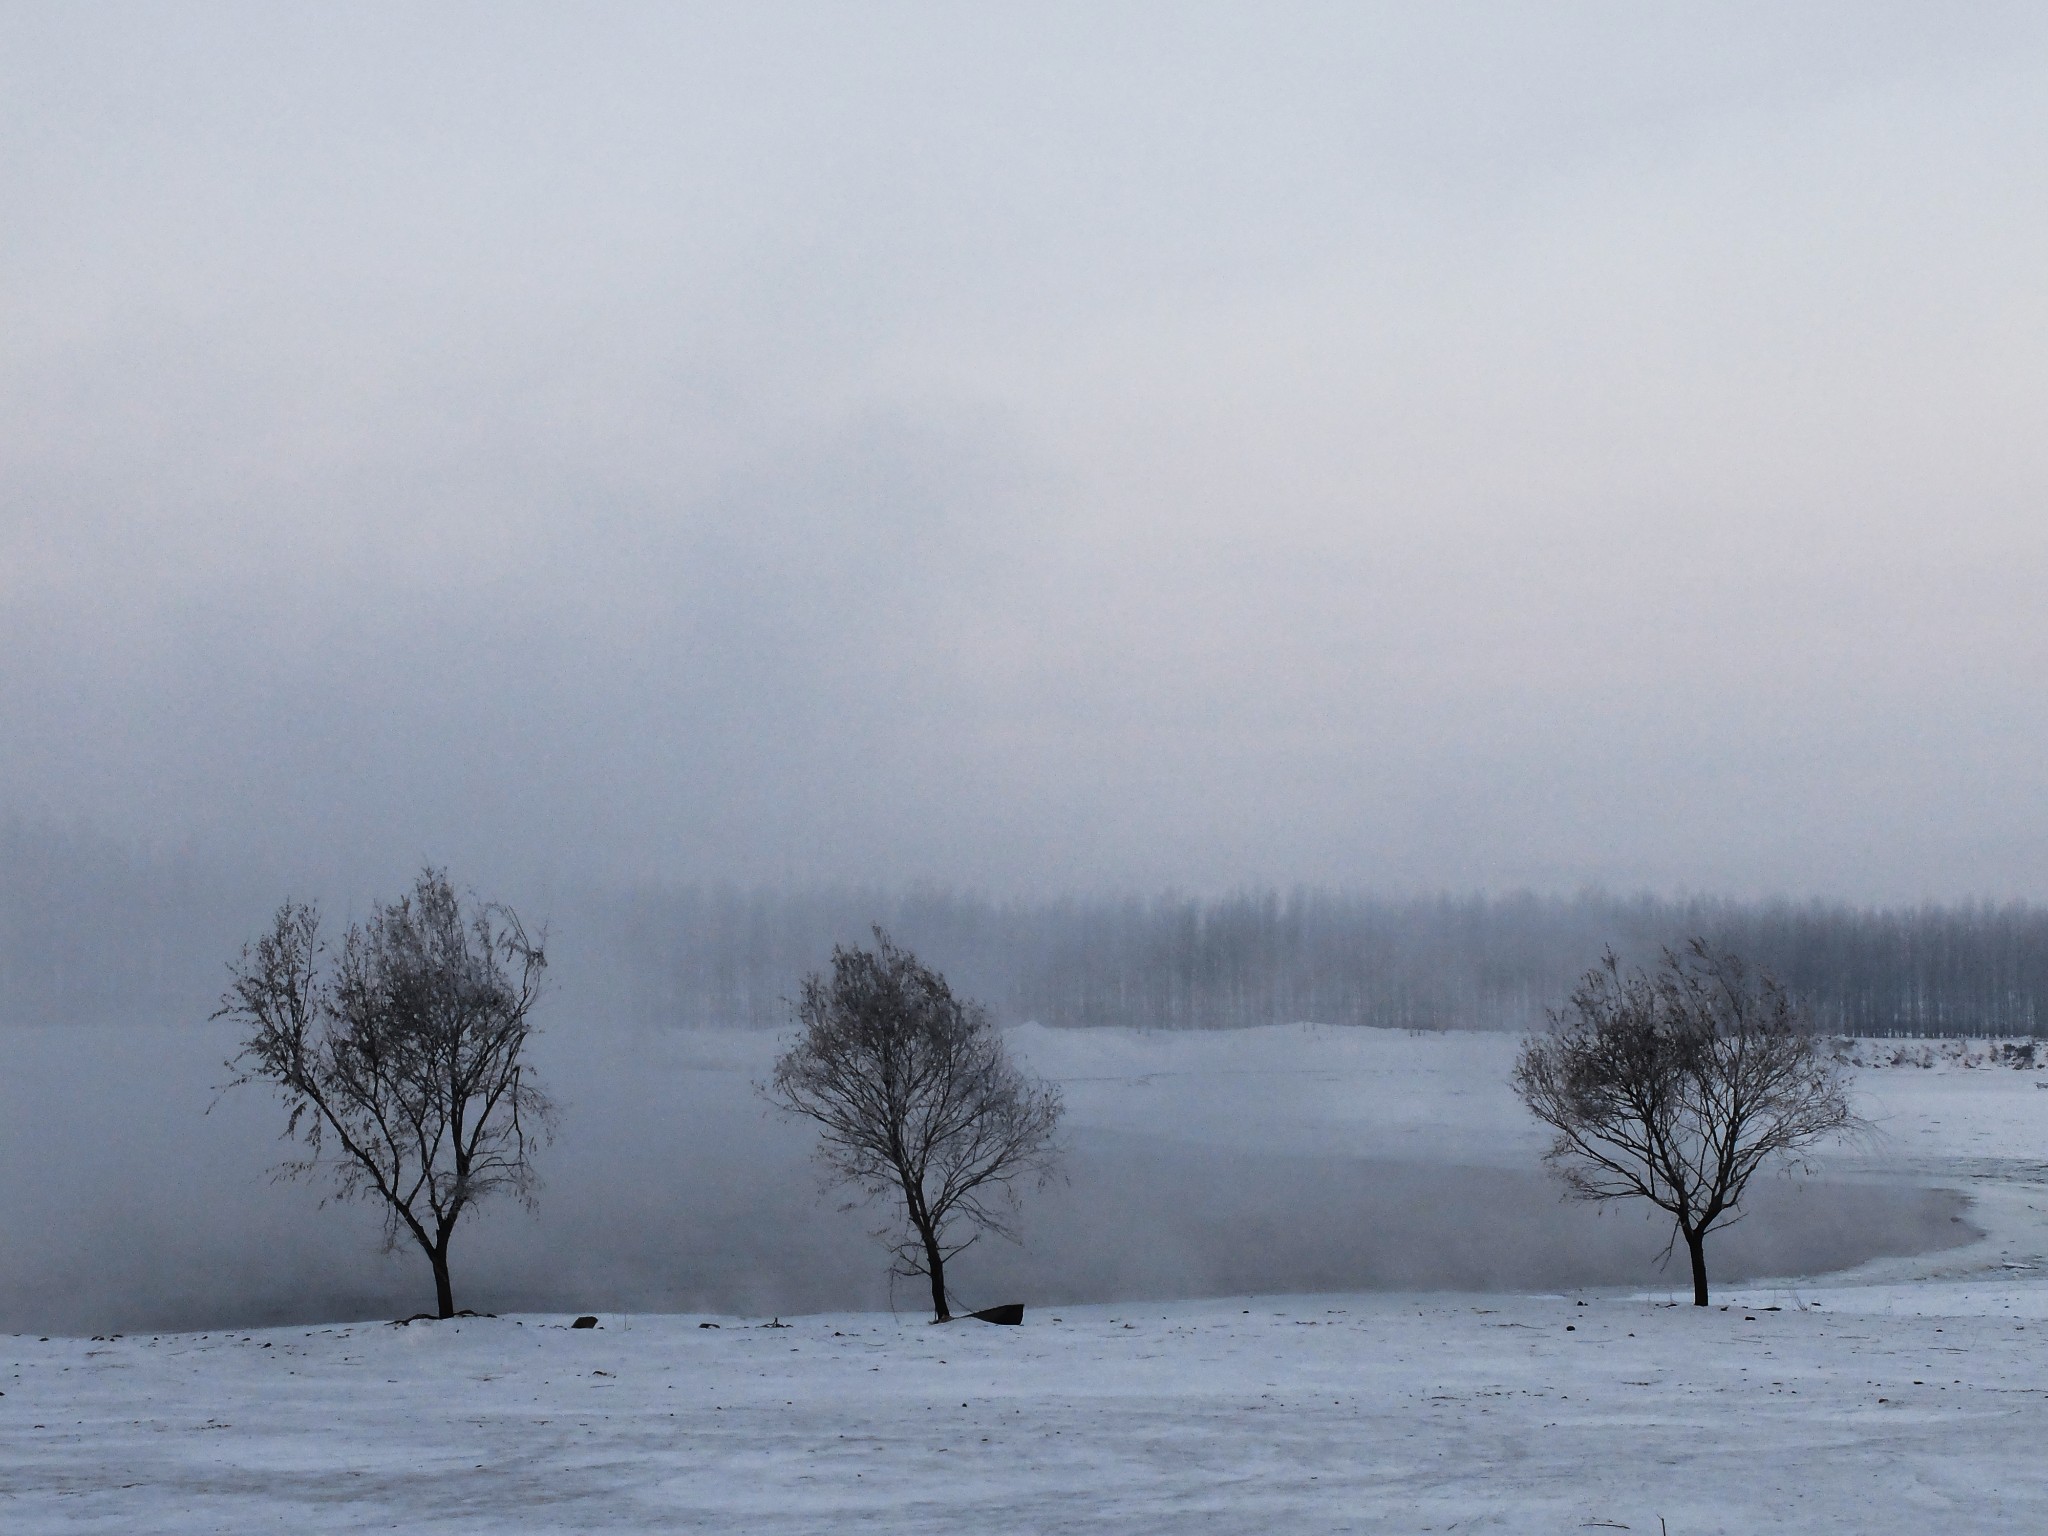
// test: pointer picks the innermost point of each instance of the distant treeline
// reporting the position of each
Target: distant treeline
(91, 932)
(731, 958)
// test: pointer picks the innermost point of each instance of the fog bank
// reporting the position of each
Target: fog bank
(1040, 448)
(92, 931)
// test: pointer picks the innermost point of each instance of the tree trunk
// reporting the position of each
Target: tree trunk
(935, 1264)
(1696, 1246)
(444, 1290)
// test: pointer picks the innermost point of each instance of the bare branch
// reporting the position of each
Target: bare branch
(1676, 1085)
(915, 1101)
(407, 1053)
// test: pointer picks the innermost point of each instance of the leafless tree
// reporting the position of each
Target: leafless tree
(403, 1063)
(1675, 1085)
(916, 1100)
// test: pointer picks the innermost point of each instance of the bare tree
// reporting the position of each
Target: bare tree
(916, 1100)
(1676, 1085)
(403, 1064)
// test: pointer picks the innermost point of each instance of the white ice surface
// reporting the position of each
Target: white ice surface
(1911, 1395)
(1302, 1088)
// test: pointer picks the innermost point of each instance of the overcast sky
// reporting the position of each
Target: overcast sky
(1037, 447)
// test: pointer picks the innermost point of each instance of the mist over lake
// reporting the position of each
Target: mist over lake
(1244, 1162)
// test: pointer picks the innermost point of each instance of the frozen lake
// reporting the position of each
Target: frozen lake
(1278, 1160)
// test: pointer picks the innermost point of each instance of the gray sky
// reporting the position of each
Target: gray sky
(1040, 447)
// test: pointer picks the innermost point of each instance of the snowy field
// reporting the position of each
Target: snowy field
(1909, 1393)
(1916, 1410)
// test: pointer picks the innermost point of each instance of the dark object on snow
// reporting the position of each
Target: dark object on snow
(584, 1322)
(707, 1325)
(1009, 1314)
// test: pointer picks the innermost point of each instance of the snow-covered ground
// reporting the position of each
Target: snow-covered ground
(1523, 1414)
(1909, 1394)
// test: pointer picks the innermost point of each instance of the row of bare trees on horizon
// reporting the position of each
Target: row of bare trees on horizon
(91, 931)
